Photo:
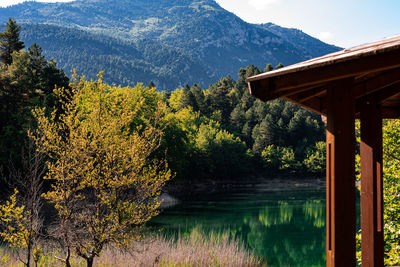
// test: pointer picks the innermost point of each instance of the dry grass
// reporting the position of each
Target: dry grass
(194, 250)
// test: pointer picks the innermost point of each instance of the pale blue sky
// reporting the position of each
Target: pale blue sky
(344, 23)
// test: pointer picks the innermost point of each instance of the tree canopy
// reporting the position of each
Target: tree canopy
(105, 182)
(10, 42)
(27, 80)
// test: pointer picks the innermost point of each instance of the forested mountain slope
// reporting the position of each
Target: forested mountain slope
(171, 42)
(123, 61)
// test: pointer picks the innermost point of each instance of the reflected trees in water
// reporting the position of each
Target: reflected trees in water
(286, 229)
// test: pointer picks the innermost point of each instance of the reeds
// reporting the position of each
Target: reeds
(196, 249)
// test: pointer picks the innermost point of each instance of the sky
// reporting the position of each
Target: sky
(344, 23)
(5, 3)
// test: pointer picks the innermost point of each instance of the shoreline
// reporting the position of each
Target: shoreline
(179, 188)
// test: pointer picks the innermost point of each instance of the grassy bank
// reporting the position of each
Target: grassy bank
(197, 249)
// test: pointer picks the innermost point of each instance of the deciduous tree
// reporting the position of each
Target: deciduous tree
(20, 216)
(105, 181)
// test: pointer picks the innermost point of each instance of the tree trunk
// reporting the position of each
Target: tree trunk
(28, 256)
(67, 263)
(89, 262)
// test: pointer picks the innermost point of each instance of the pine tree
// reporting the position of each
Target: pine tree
(264, 134)
(37, 59)
(53, 77)
(37, 64)
(218, 98)
(237, 116)
(268, 68)
(26, 82)
(199, 97)
(9, 41)
(151, 85)
(188, 99)
(252, 70)
(241, 84)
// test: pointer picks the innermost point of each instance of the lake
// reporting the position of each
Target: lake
(286, 227)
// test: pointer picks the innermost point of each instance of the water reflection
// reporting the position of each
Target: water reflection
(314, 211)
(289, 233)
(285, 228)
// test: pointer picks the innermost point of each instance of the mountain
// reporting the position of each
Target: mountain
(300, 40)
(124, 62)
(171, 42)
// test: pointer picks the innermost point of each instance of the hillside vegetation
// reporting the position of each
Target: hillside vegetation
(224, 133)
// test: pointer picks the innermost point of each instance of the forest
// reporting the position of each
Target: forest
(65, 141)
(227, 134)
(220, 133)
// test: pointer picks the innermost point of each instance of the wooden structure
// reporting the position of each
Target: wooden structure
(361, 82)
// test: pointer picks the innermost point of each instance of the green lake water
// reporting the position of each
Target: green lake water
(285, 227)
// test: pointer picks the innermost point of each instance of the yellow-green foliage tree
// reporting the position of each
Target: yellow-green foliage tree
(106, 181)
(20, 216)
(391, 168)
(19, 228)
(391, 188)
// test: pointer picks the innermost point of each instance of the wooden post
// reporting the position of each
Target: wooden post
(340, 186)
(372, 246)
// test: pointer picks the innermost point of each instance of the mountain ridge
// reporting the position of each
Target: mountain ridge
(201, 33)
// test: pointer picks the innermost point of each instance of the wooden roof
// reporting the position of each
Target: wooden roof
(374, 69)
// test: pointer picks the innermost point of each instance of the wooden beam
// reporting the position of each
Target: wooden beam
(313, 76)
(372, 246)
(378, 96)
(313, 104)
(264, 90)
(316, 104)
(374, 84)
(340, 70)
(310, 94)
(340, 190)
(365, 76)
(390, 112)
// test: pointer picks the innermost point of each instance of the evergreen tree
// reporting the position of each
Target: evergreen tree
(246, 134)
(268, 68)
(256, 135)
(53, 77)
(165, 95)
(37, 59)
(296, 128)
(250, 117)
(260, 109)
(252, 70)
(9, 41)
(264, 134)
(37, 64)
(15, 105)
(238, 116)
(151, 85)
(26, 81)
(241, 84)
(288, 111)
(188, 99)
(199, 97)
(218, 99)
